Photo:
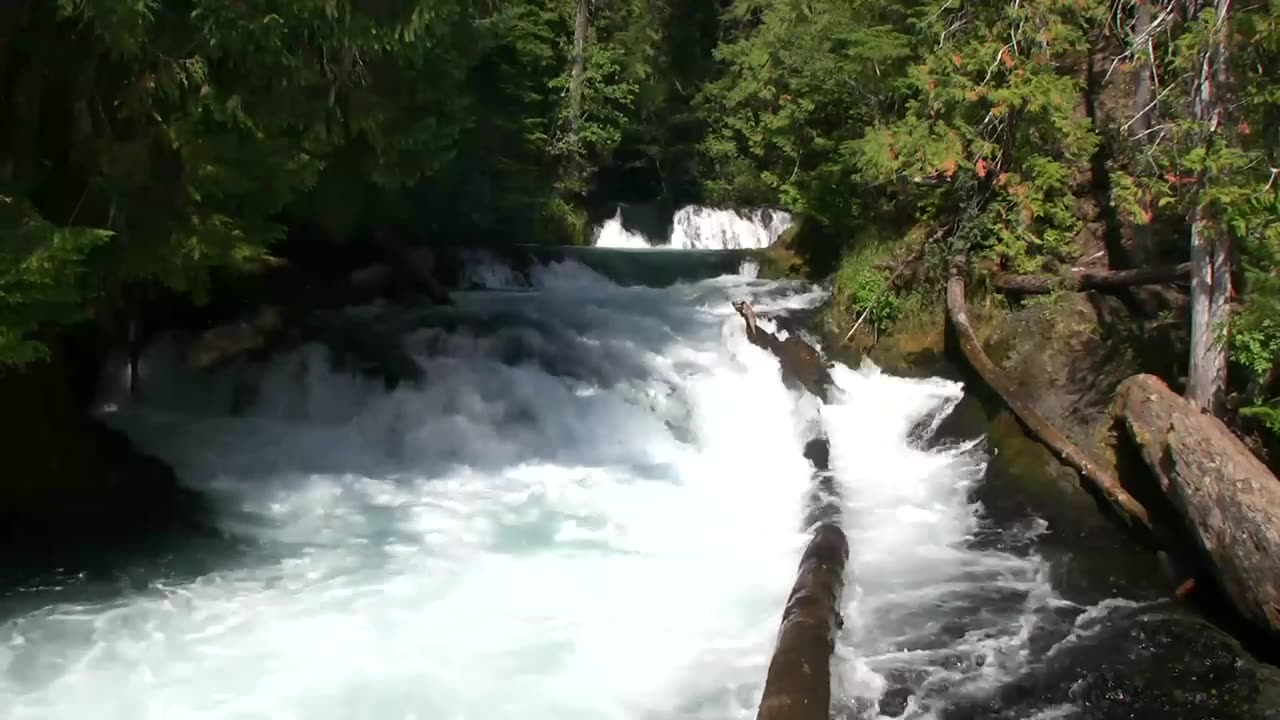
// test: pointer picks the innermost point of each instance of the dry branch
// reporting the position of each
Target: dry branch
(1091, 279)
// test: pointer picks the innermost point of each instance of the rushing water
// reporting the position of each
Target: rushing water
(926, 609)
(592, 508)
(701, 228)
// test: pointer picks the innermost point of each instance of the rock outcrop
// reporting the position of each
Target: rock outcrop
(1067, 358)
(69, 478)
(1224, 498)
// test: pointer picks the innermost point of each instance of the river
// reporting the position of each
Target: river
(591, 509)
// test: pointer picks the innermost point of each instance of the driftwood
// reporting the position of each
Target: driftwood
(1091, 279)
(798, 684)
(1224, 498)
(1062, 448)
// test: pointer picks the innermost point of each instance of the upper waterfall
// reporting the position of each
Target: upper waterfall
(696, 227)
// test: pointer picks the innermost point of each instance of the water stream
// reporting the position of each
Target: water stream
(592, 508)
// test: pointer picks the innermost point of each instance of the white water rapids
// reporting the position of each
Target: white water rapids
(701, 228)
(592, 509)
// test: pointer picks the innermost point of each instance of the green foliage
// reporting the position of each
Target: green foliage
(799, 84)
(861, 283)
(40, 277)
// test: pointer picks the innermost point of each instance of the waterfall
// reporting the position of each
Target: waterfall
(702, 228)
(719, 229)
(612, 234)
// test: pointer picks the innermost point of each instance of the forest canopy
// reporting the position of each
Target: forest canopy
(147, 143)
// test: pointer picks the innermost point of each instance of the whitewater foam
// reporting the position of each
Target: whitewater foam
(925, 611)
(592, 508)
(696, 227)
(563, 522)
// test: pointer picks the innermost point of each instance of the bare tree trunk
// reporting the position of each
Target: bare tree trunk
(1143, 93)
(581, 27)
(1210, 246)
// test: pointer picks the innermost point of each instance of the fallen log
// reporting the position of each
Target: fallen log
(1226, 499)
(801, 363)
(1091, 279)
(1062, 448)
(798, 683)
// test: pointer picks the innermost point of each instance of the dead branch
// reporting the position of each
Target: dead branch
(1062, 448)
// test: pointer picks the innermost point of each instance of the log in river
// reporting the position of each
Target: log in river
(798, 685)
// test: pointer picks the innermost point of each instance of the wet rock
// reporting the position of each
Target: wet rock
(1068, 355)
(69, 478)
(1137, 664)
(374, 278)
(360, 346)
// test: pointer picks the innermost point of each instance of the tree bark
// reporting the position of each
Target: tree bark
(1143, 94)
(801, 364)
(1091, 279)
(1062, 448)
(1223, 496)
(798, 685)
(581, 26)
(1210, 246)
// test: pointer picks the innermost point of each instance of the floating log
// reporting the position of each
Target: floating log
(1224, 497)
(1091, 279)
(798, 683)
(1062, 448)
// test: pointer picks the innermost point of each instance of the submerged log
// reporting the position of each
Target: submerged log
(801, 362)
(1227, 501)
(1091, 279)
(798, 686)
(1062, 448)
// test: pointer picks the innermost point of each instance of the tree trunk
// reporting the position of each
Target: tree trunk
(1210, 247)
(1224, 498)
(798, 685)
(1062, 448)
(581, 26)
(1143, 94)
(1091, 279)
